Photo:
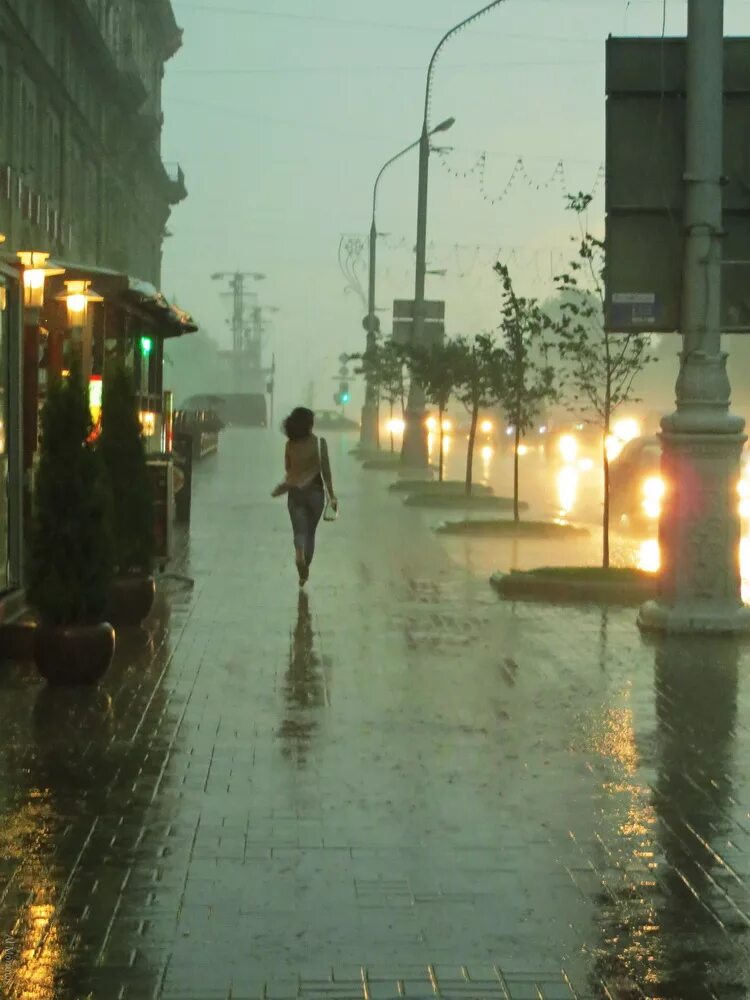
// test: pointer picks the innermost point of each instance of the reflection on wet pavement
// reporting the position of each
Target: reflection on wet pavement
(394, 780)
(304, 688)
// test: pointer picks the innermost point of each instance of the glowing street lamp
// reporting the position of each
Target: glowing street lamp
(35, 273)
(78, 297)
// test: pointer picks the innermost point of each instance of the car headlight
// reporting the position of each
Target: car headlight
(568, 448)
(653, 491)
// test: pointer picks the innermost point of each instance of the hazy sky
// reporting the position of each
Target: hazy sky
(281, 112)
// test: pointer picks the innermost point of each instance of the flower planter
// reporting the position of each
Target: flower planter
(74, 654)
(130, 599)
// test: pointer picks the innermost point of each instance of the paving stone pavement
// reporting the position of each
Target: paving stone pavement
(390, 785)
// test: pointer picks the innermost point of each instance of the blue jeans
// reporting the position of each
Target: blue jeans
(306, 507)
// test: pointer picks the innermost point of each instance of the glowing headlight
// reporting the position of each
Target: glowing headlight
(568, 447)
(523, 449)
(447, 425)
(486, 427)
(431, 424)
(653, 490)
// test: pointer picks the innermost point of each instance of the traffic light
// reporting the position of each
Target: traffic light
(147, 345)
(344, 394)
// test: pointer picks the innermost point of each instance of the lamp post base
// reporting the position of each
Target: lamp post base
(700, 530)
(696, 618)
(414, 452)
(369, 438)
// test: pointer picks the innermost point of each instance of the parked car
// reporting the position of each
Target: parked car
(332, 420)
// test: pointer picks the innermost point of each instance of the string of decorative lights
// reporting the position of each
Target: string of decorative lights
(518, 173)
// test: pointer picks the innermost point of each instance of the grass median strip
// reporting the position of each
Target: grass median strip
(451, 487)
(496, 528)
(590, 584)
(446, 501)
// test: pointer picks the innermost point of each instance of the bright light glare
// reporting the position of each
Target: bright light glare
(523, 449)
(653, 490)
(486, 427)
(77, 304)
(585, 464)
(568, 448)
(396, 426)
(627, 429)
(431, 424)
(567, 490)
(613, 446)
(487, 452)
(447, 425)
(543, 430)
(33, 278)
(649, 556)
(743, 488)
(510, 431)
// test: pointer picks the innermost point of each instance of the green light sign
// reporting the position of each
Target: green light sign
(147, 346)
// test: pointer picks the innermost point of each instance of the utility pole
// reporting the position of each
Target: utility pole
(414, 449)
(238, 357)
(699, 531)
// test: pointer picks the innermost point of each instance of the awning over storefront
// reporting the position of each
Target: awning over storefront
(133, 294)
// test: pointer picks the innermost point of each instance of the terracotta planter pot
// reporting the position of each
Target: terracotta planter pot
(75, 654)
(130, 599)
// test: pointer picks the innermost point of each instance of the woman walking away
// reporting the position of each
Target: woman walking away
(308, 477)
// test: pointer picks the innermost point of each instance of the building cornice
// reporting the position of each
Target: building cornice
(163, 14)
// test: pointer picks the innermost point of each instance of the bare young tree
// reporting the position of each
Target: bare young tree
(600, 366)
(392, 381)
(477, 368)
(435, 368)
(524, 377)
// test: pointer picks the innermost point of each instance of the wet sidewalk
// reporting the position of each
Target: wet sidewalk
(392, 785)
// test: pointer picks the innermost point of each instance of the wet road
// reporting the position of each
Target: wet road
(394, 772)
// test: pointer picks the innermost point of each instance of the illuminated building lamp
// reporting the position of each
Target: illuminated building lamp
(78, 297)
(148, 423)
(35, 273)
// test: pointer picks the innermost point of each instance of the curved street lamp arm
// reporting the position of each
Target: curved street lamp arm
(383, 169)
(448, 35)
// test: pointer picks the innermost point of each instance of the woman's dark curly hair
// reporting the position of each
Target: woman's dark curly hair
(299, 424)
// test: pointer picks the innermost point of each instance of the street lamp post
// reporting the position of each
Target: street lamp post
(414, 451)
(369, 434)
(699, 531)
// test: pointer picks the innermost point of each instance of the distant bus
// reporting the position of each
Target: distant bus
(238, 409)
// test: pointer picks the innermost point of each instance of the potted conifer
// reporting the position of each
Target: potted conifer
(123, 451)
(70, 558)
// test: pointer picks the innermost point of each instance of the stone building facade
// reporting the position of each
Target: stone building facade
(81, 172)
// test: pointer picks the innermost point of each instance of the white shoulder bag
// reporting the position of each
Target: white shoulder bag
(330, 511)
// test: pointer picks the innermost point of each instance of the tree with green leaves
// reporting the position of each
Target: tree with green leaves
(71, 560)
(435, 368)
(524, 378)
(476, 386)
(600, 366)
